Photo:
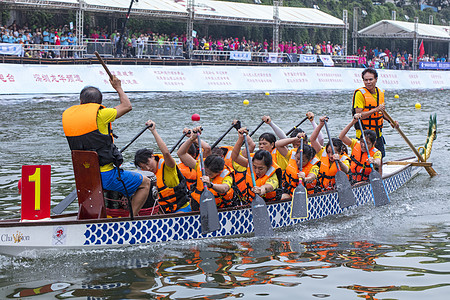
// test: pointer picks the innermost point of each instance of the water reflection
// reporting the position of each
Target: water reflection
(241, 268)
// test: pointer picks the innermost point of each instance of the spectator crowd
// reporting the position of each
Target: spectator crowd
(136, 45)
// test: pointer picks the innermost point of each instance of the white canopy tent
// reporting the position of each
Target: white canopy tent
(216, 11)
(206, 11)
(405, 30)
(390, 29)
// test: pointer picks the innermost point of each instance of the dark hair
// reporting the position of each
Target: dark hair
(219, 151)
(295, 132)
(370, 135)
(338, 144)
(369, 70)
(265, 156)
(270, 137)
(142, 156)
(214, 163)
(309, 152)
(192, 151)
(91, 94)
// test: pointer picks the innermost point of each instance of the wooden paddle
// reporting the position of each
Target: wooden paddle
(343, 186)
(179, 141)
(237, 126)
(299, 205)
(430, 170)
(379, 193)
(103, 64)
(256, 129)
(261, 218)
(61, 206)
(209, 217)
(296, 126)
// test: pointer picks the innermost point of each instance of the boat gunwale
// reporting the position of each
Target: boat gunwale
(54, 218)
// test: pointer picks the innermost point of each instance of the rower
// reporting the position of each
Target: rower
(326, 164)
(360, 162)
(267, 142)
(268, 173)
(218, 177)
(172, 188)
(309, 168)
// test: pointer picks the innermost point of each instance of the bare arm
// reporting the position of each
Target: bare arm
(314, 143)
(168, 159)
(235, 153)
(343, 135)
(366, 114)
(220, 188)
(125, 104)
(187, 159)
(281, 145)
(310, 116)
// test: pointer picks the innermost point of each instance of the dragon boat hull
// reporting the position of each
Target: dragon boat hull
(65, 231)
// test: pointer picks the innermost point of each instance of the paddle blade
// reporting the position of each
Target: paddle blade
(208, 212)
(61, 206)
(261, 218)
(299, 207)
(344, 188)
(380, 195)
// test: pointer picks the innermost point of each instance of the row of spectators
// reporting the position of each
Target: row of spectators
(396, 59)
(134, 45)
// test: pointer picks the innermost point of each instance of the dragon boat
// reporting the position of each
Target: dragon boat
(69, 231)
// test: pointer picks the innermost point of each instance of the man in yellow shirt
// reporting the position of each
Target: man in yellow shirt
(87, 126)
(369, 102)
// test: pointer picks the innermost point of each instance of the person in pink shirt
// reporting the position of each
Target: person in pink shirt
(329, 48)
(220, 45)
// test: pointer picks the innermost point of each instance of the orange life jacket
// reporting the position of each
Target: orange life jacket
(81, 130)
(222, 200)
(374, 121)
(239, 177)
(327, 171)
(359, 168)
(271, 196)
(189, 174)
(291, 174)
(170, 199)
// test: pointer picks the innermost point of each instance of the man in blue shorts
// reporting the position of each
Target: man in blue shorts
(87, 126)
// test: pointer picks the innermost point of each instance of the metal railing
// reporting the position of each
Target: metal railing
(152, 49)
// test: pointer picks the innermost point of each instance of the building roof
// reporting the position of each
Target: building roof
(405, 30)
(205, 10)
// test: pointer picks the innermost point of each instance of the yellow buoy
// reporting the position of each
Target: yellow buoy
(396, 96)
(267, 93)
(245, 102)
(418, 105)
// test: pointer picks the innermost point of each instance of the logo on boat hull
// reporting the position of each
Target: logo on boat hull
(59, 236)
(15, 237)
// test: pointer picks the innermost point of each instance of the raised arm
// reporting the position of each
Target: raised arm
(168, 159)
(280, 133)
(187, 159)
(314, 143)
(125, 104)
(343, 135)
(235, 153)
(281, 145)
(310, 116)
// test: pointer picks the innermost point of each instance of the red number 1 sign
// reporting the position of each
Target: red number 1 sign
(36, 192)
